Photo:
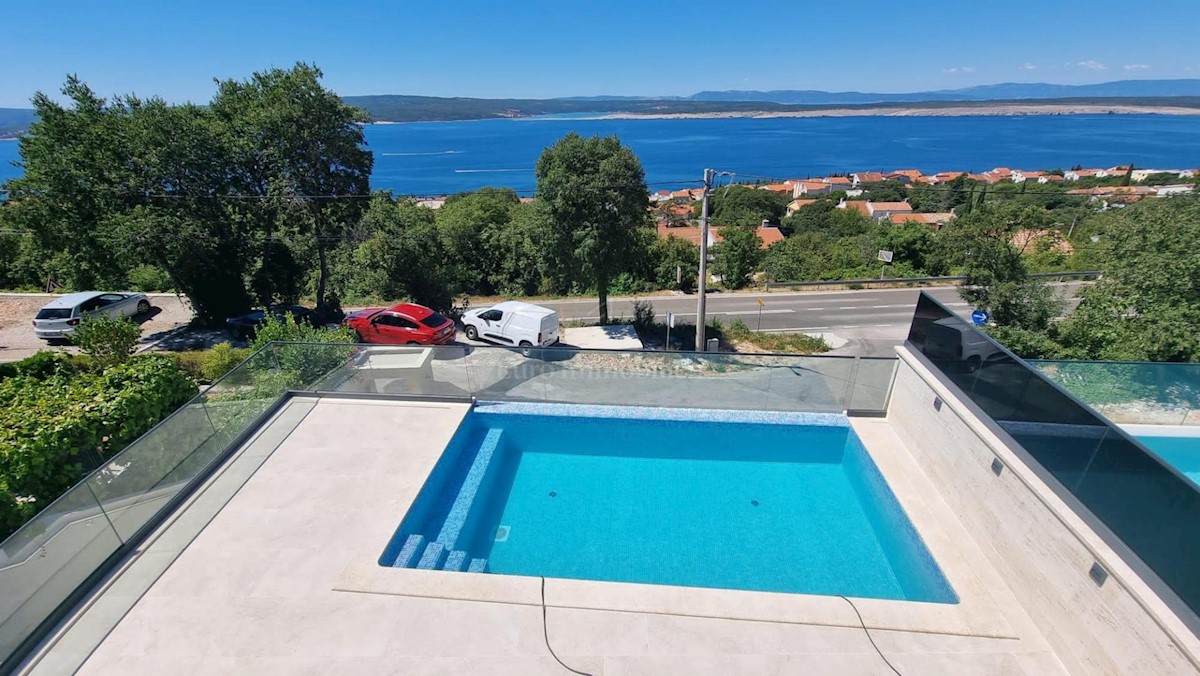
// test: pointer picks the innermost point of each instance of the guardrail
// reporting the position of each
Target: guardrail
(926, 280)
(52, 562)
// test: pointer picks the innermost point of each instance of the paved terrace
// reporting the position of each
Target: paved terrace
(270, 569)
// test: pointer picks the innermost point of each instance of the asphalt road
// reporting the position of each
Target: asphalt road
(871, 321)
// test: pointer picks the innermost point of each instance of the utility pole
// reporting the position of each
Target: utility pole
(702, 282)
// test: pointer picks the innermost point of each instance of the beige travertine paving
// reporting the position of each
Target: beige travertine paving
(253, 593)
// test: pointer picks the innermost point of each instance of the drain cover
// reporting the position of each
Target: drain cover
(502, 534)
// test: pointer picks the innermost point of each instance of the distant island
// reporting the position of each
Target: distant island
(1164, 97)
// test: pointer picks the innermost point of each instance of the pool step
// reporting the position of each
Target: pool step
(412, 548)
(432, 558)
(448, 537)
(455, 560)
(477, 566)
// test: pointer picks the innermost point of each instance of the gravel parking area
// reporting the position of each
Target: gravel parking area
(16, 322)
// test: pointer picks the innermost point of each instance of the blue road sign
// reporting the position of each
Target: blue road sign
(980, 317)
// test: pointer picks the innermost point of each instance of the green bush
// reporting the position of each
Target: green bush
(107, 340)
(316, 350)
(53, 431)
(219, 360)
(41, 365)
(150, 279)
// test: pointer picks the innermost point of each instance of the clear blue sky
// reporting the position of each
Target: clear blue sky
(567, 48)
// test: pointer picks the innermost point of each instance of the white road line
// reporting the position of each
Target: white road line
(801, 328)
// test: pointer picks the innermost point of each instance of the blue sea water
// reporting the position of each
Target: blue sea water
(750, 505)
(433, 158)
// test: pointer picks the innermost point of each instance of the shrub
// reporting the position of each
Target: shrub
(787, 343)
(219, 360)
(53, 431)
(643, 315)
(150, 279)
(40, 365)
(318, 351)
(107, 340)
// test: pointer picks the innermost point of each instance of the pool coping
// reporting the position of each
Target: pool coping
(978, 612)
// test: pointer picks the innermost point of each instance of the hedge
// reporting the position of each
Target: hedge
(54, 430)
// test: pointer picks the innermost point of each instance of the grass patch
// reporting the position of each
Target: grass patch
(792, 343)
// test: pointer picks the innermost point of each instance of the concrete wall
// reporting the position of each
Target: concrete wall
(1041, 548)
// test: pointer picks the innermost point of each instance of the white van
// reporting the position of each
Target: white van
(513, 323)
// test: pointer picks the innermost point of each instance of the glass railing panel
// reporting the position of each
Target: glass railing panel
(129, 486)
(47, 559)
(1150, 507)
(1132, 392)
(872, 384)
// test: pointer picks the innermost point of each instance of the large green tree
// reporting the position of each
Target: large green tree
(593, 193)
(469, 224)
(990, 244)
(1147, 305)
(295, 144)
(744, 205)
(737, 256)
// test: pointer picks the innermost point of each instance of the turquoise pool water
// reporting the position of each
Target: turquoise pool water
(1182, 452)
(733, 500)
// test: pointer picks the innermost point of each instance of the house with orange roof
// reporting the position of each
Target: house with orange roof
(882, 210)
(904, 175)
(858, 205)
(797, 205)
(944, 176)
(1050, 178)
(1076, 174)
(811, 187)
(786, 186)
(767, 234)
(866, 177)
(1020, 175)
(934, 220)
(839, 182)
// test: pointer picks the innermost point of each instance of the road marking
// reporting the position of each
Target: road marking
(801, 328)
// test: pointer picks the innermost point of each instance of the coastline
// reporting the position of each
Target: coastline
(954, 111)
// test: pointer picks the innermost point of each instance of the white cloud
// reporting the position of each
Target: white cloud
(1091, 64)
(1136, 66)
(1029, 66)
(959, 69)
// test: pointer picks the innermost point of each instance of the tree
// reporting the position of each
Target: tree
(987, 245)
(737, 256)
(742, 205)
(674, 256)
(404, 257)
(1147, 305)
(298, 145)
(466, 223)
(593, 193)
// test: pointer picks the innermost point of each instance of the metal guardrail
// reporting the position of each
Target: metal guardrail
(925, 280)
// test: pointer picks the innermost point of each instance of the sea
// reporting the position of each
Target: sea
(440, 158)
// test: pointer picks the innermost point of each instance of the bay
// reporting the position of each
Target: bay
(437, 158)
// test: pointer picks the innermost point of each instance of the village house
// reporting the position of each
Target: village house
(797, 204)
(786, 186)
(866, 177)
(767, 234)
(934, 220)
(811, 187)
(1076, 174)
(883, 210)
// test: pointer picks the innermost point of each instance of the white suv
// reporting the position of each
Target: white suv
(58, 318)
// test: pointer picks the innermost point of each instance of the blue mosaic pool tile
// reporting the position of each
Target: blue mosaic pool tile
(408, 553)
(432, 557)
(455, 560)
(653, 413)
(470, 486)
(477, 566)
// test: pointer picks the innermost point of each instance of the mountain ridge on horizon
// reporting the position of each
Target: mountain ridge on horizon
(412, 108)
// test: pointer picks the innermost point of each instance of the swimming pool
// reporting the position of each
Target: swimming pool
(1183, 452)
(724, 499)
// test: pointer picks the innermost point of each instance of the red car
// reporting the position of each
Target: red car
(403, 324)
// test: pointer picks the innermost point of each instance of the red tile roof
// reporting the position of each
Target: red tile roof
(691, 233)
